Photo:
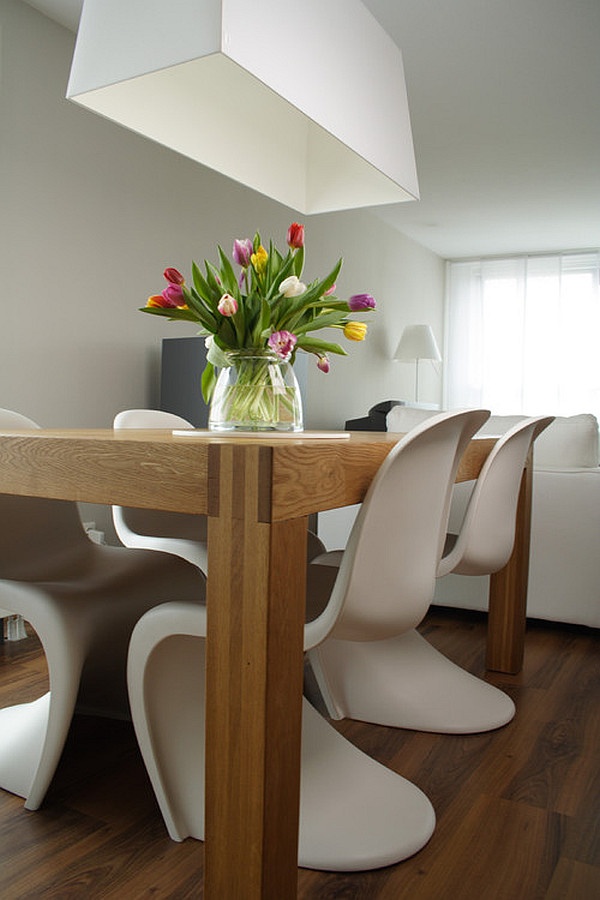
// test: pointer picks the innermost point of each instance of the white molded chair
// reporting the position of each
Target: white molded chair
(83, 601)
(374, 666)
(354, 813)
(178, 533)
(149, 529)
(486, 537)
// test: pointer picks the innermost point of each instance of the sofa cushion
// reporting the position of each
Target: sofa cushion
(403, 418)
(570, 442)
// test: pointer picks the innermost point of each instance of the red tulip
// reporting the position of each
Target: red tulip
(157, 300)
(295, 236)
(174, 276)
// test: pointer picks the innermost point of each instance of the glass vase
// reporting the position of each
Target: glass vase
(257, 392)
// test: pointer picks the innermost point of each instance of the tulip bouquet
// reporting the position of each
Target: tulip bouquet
(263, 309)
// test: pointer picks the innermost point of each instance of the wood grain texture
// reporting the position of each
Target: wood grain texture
(508, 590)
(142, 469)
(517, 809)
(254, 684)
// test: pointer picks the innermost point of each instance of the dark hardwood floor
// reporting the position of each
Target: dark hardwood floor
(517, 810)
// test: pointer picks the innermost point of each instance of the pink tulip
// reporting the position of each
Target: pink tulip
(173, 295)
(323, 364)
(227, 305)
(282, 343)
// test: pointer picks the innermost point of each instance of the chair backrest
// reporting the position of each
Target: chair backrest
(129, 522)
(149, 418)
(487, 535)
(387, 575)
(39, 537)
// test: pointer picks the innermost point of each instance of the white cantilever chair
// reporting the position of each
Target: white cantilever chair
(354, 813)
(374, 666)
(83, 601)
(178, 533)
(486, 537)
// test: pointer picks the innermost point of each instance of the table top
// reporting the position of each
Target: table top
(152, 468)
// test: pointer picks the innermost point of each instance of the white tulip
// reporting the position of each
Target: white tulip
(292, 287)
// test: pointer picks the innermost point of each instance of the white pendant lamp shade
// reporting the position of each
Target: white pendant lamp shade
(303, 101)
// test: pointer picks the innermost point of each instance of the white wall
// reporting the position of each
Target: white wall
(90, 216)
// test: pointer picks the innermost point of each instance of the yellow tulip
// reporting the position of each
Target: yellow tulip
(259, 260)
(355, 331)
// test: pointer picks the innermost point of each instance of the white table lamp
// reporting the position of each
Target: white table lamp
(417, 342)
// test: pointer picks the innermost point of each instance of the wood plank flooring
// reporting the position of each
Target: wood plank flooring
(518, 810)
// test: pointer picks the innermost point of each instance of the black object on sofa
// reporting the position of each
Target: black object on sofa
(376, 419)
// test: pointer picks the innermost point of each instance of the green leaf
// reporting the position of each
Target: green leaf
(211, 277)
(173, 314)
(227, 334)
(282, 274)
(228, 278)
(299, 262)
(209, 379)
(263, 322)
(205, 315)
(204, 289)
(331, 278)
(323, 321)
(314, 345)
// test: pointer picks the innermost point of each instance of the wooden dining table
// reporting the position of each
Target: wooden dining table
(257, 493)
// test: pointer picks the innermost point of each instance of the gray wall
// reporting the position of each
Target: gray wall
(91, 214)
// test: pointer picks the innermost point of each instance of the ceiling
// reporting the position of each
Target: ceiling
(505, 108)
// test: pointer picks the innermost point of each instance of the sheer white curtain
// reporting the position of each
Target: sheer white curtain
(523, 334)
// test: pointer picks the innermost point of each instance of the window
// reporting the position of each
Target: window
(522, 334)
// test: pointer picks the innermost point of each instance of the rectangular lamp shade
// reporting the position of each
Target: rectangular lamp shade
(304, 102)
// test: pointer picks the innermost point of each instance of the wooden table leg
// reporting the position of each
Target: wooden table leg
(508, 592)
(256, 595)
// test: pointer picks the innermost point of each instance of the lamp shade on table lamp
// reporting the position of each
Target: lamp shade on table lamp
(417, 342)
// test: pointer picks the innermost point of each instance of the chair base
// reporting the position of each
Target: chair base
(404, 682)
(355, 814)
(22, 735)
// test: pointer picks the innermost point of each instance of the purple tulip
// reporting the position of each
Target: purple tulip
(173, 295)
(323, 364)
(360, 301)
(242, 251)
(282, 343)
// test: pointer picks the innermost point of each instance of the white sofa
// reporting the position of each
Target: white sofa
(564, 565)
